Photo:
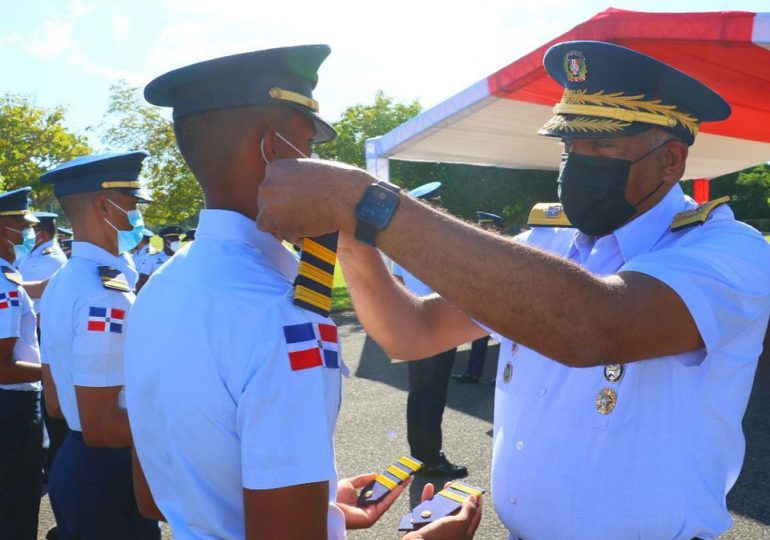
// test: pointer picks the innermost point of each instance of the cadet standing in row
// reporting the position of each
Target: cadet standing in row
(21, 439)
(83, 330)
(45, 259)
(151, 262)
(234, 424)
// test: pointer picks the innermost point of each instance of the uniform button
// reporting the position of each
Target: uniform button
(520, 445)
(543, 391)
(514, 348)
(513, 500)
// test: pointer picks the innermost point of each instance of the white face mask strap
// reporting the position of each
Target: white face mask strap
(262, 149)
(287, 141)
(116, 205)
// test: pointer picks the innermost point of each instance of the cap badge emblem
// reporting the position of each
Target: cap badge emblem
(575, 66)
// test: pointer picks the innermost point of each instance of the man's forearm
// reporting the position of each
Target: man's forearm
(14, 372)
(407, 327)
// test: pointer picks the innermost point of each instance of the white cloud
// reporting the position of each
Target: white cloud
(55, 36)
(120, 24)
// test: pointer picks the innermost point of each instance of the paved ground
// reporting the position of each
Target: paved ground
(372, 432)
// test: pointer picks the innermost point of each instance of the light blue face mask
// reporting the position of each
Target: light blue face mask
(128, 240)
(28, 242)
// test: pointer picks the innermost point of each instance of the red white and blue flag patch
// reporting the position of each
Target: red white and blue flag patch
(9, 299)
(106, 319)
(312, 345)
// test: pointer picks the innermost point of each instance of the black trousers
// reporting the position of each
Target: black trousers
(57, 432)
(477, 357)
(428, 382)
(92, 494)
(21, 464)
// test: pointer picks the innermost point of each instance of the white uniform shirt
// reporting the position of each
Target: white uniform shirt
(152, 262)
(660, 464)
(237, 388)
(412, 283)
(17, 320)
(42, 262)
(140, 255)
(84, 326)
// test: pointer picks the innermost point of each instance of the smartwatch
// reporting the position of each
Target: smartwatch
(375, 210)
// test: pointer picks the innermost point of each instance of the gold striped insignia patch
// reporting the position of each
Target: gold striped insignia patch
(113, 279)
(697, 215)
(313, 284)
(12, 275)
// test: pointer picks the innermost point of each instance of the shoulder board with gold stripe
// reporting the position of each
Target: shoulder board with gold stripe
(394, 475)
(12, 275)
(313, 284)
(444, 503)
(548, 215)
(47, 251)
(113, 279)
(697, 215)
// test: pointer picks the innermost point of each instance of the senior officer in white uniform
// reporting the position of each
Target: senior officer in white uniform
(629, 357)
(234, 425)
(46, 257)
(21, 427)
(83, 331)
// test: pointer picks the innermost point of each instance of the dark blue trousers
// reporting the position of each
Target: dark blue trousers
(92, 494)
(428, 382)
(21, 464)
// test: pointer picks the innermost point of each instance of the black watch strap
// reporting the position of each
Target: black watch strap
(368, 224)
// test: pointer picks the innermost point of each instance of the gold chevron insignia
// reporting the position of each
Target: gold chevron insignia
(585, 125)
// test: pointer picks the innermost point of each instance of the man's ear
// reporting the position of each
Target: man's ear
(267, 145)
(674, 160)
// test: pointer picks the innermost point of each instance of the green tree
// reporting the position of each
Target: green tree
(34, 139)
(132, 124)
(361, 122)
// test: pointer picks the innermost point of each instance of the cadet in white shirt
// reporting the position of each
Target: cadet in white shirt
(234, 406)
(143, 249)
(627, 358)
(171, 244)
(21, 425)
(45, 259)
(86, 305)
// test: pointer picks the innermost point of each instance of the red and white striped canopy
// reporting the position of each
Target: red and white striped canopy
(494, 122)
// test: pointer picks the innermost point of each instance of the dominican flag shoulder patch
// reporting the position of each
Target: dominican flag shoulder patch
(102, 319)
(312, 345)
(9, 299)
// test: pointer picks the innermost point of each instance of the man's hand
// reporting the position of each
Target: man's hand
(363, 518)
(301, 198)
(461, 526)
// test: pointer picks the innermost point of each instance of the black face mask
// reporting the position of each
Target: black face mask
(592, 191)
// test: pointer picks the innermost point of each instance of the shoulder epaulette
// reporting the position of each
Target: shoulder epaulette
(12, 275)
(548, 215)
(47, 251)
(697, 215)
(394, 475)
(313, 284)
(113, 279)
(445, 503)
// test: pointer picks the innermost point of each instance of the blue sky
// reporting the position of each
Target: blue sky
(69, 52)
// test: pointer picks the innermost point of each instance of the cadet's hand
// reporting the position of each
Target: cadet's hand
(363, 518)
(300, 198)
(461, 526)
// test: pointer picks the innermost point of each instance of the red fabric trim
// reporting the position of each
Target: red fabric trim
(715, 48)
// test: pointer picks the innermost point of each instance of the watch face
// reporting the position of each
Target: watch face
(377, 207)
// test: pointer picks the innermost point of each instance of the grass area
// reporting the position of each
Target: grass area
(767, 237)
(340, 297)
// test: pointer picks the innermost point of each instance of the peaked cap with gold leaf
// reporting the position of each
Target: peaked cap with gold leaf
(612, 91)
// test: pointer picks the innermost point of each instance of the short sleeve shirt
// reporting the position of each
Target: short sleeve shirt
(42, 262)
(238, 388)
(647, 449)
(84, 326)
(412, 283)
(18, 320)
(152, 262)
